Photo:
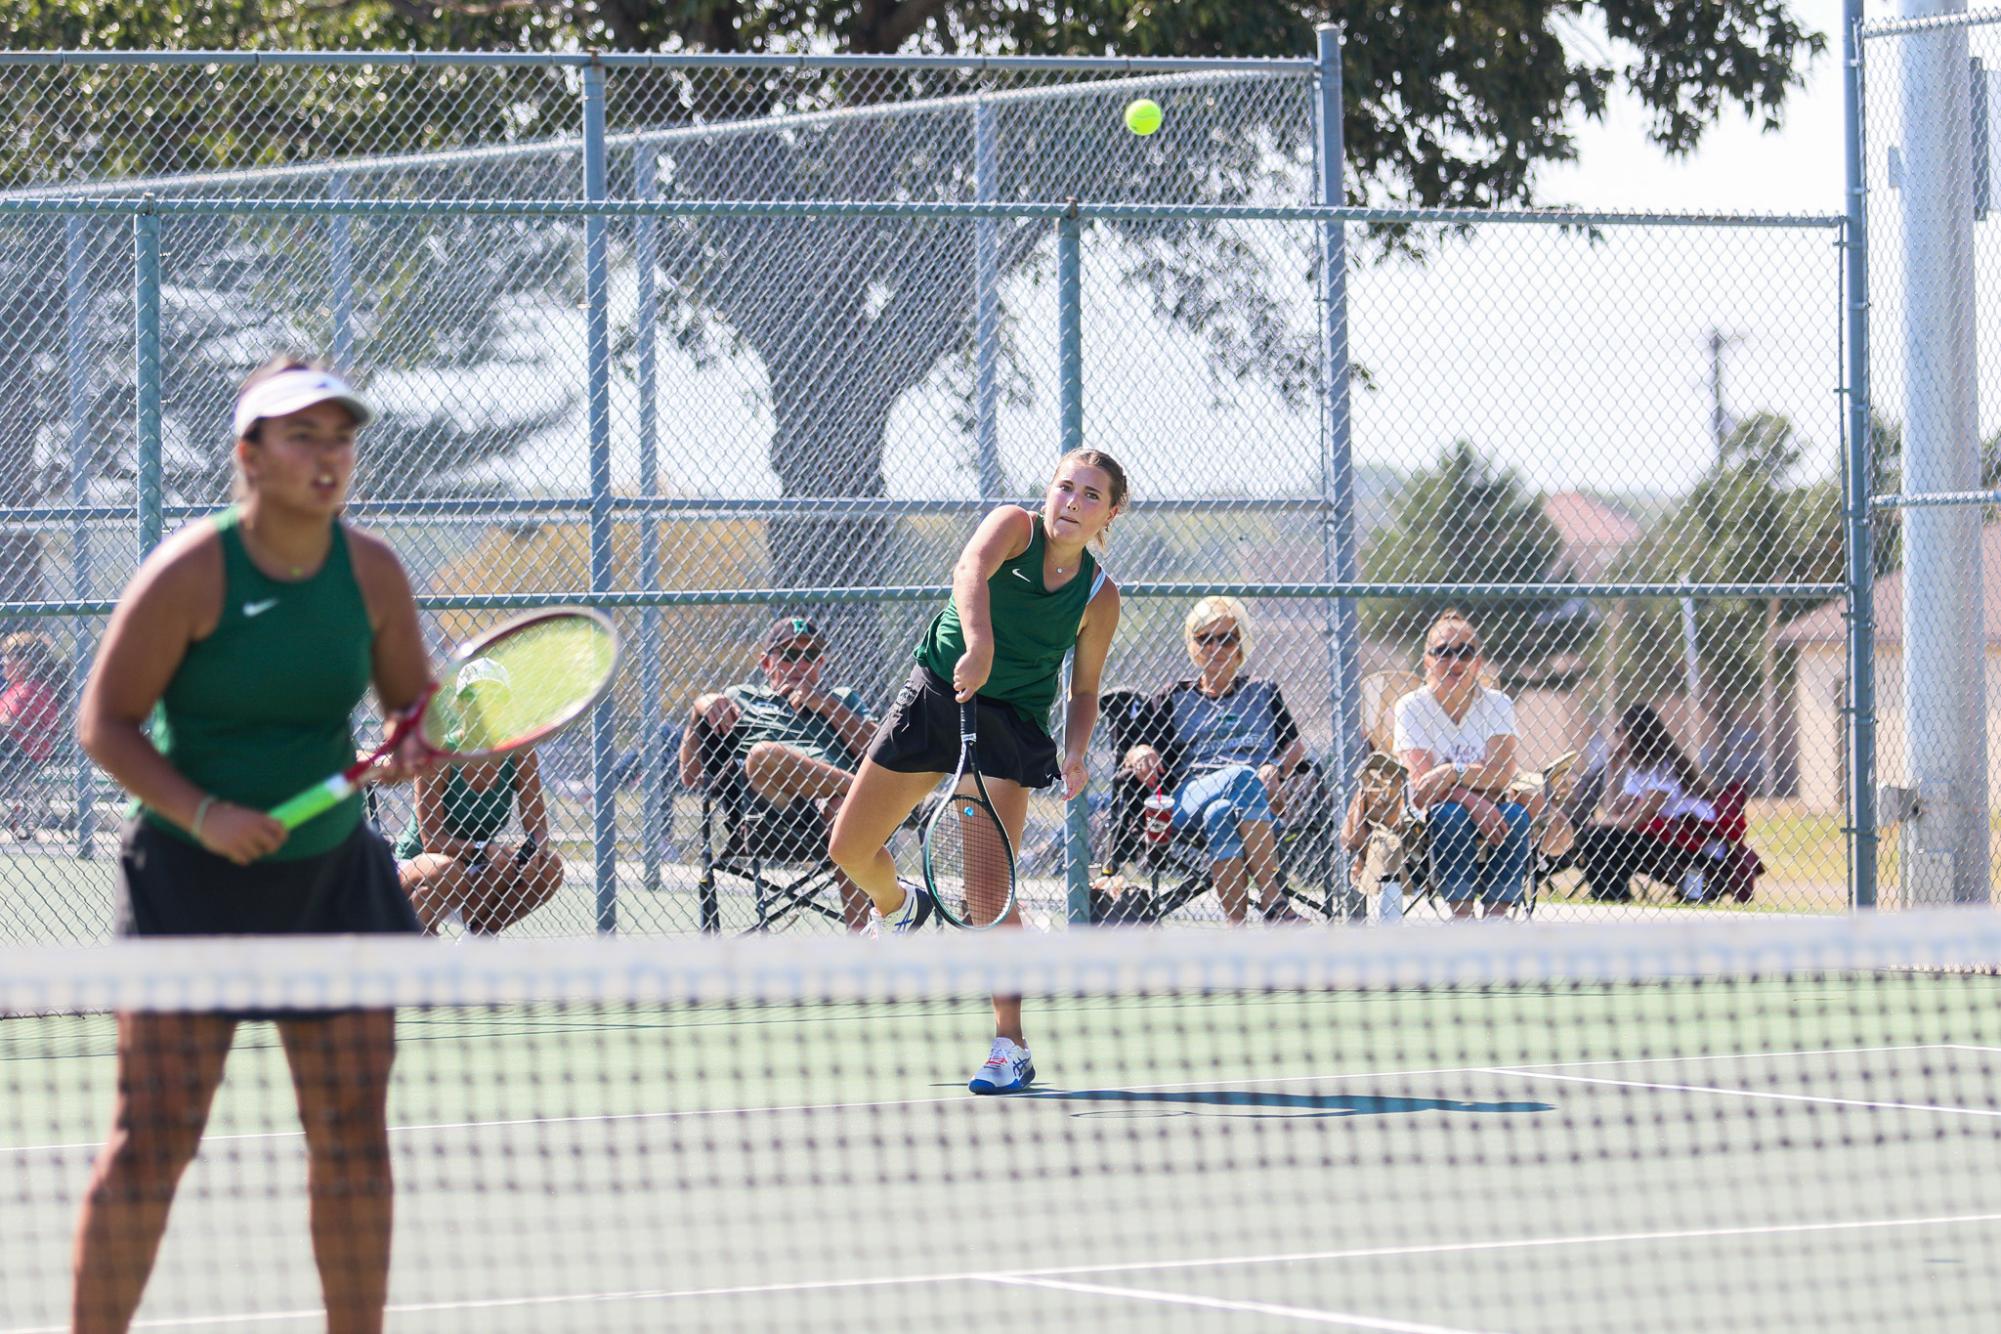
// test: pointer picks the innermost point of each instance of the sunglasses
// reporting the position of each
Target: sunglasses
(1219, 638)
(1460, 652)
(810, 653)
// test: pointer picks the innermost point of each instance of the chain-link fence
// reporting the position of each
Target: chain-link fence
(714, 343)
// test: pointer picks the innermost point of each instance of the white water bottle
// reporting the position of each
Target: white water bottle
(1389, 899)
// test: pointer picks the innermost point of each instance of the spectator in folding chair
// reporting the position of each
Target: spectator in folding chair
(1456, 739)
(1225, 747)
(795, 742)
(1659, 818)
(452, 860)
(30, 724)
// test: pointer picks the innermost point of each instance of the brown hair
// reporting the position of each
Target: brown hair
(1111, 467)
(33, 649)
(1105, 463)
(1649, 745)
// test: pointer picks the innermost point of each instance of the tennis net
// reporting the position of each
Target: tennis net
(1720, 1125)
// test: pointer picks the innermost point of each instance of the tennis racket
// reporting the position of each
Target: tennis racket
(513, 687)
(968, 860)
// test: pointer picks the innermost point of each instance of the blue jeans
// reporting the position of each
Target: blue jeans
(1455, 843)
(1219, 801)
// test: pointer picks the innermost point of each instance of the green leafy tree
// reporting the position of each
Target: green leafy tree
(1745, 521)
(1467, 521)
(1447, 104)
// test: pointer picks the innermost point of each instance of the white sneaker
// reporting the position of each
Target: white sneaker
(912, 913)
(1008, 1069)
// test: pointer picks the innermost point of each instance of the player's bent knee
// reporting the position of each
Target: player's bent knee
(766, 762)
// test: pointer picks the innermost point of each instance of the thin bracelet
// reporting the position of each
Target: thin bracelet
(200, 810)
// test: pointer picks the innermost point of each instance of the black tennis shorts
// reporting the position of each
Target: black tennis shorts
(921, 736)
(170, 887)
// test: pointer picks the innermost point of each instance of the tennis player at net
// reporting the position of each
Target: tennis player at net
(248, 639)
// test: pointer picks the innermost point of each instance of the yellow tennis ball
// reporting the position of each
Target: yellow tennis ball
(1143, 116)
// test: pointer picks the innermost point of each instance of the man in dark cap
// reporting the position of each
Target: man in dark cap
(797, 741)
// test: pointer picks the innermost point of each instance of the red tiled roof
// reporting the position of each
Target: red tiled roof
(1825, 624)
(1591, 530)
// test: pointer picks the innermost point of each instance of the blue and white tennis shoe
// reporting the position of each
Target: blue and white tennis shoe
(912, 913)
(1008, 1069)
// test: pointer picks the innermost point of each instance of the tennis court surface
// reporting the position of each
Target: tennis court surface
(1714, 1125)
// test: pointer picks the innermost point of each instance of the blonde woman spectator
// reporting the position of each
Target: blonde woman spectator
(1225, 746)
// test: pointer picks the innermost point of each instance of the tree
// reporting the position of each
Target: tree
(1744, 521)
(1447, 104)
(1466, 521)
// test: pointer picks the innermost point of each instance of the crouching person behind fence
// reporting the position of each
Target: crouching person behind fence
(452, 858)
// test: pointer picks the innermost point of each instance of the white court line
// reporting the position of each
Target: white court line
(1063, 1271)
(1526, 1073)
(1304, 1313)
(1052, 1095)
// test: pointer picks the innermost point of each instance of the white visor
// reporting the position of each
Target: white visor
(294, 391)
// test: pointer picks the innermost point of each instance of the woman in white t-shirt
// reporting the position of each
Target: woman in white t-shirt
(1648, 780)
(1456, 739)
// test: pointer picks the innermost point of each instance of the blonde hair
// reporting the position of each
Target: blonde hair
(1216, 607)
(33, 649)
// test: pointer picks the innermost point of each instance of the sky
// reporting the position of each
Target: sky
(1590, 366)
(1738, 167)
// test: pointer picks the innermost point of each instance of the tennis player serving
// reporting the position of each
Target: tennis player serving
(248, 639)
(1025, 592)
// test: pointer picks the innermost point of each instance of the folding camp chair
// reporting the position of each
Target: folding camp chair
(775, 857)
(1390, 848)
(1166, 877)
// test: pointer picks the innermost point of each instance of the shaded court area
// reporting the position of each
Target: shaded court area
(1771, 1150)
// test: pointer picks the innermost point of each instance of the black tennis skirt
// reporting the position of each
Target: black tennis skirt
(920, 735)
(170, 887)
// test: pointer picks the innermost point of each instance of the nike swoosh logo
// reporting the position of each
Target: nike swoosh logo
(259, 608)
(1019, 575)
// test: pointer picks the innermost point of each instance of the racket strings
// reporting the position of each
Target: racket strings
(968, 861)
(522, 683)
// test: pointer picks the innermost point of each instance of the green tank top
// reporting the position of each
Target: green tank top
(1033, 629)
(261, 708)
(469, 812)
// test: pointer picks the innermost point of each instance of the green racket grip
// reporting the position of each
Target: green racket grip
(315, 800)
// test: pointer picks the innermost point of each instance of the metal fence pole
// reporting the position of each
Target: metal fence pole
(1338, 557)
(1070, 378)
(658, 796)
(1944, 850)
(986, 301)
(146, 304)
(1861, 647)
(597, 374)
(340, 279)
(76, 347)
